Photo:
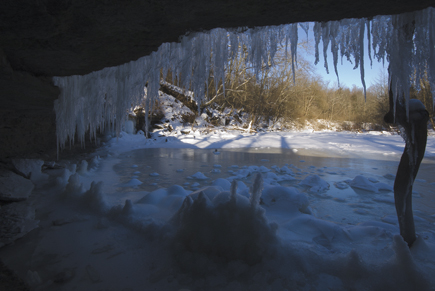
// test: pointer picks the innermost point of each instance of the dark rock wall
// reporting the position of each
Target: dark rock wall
(27, 119)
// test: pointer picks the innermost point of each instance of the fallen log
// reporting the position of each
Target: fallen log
(186, 100)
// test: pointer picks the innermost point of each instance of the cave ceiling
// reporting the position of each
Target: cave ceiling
(65, 37)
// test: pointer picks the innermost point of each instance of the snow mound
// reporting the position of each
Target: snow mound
(286, 177)
(93, 165)
(308, 228)
(286, 170)
(153, 197)
(225, 232)
(198, 176)
(83, 167)
(264, 169)
(285, 198)
(224, 183)
(341, 185)
(363, 183)
(131, 183)
(315, 183)
(92, 199)
(162, 200)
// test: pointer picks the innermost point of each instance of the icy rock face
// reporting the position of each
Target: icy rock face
(102, 98)
(14, 187)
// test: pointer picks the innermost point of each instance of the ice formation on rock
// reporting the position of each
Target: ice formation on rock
(102, 98)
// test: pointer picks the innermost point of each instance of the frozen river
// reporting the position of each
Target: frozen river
(349, 205)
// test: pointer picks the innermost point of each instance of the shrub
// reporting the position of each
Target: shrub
(188, 118)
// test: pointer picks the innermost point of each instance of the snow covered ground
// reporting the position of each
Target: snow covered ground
(229, 210)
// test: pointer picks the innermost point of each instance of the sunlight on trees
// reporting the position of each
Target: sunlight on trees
(277, 94)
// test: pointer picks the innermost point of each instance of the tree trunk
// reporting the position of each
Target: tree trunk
(186, 100)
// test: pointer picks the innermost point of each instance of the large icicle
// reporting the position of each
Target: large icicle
(294, 47)
(361, 55)
(317, 29)
(290, 34)
(335, 39)
(400, 56)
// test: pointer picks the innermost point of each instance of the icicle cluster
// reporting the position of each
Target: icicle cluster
(103, 98)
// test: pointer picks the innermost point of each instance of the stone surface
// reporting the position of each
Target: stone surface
(16, 220)
(10, 281)
(31, 168)
(14, 187)
(27, 119)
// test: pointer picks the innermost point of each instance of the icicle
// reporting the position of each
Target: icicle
(369, 47)
(219, 48)
(294, 46)
(333, 31)
(381, 32)
(306, 27)
(325, 40)
(256, 191)
(234, 43)
(273, 43)
(317, 36)
(361, 47)
(255, 51)
(233, 196)
(400, 57)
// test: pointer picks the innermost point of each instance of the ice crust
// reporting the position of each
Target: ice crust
(101, 99)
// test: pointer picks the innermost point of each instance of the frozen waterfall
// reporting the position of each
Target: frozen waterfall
(103, 98)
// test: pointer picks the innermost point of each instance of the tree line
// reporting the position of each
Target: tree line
(279, 93)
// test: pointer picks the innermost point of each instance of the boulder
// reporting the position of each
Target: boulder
(16, 220)
(14, 187)
(31, 168)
